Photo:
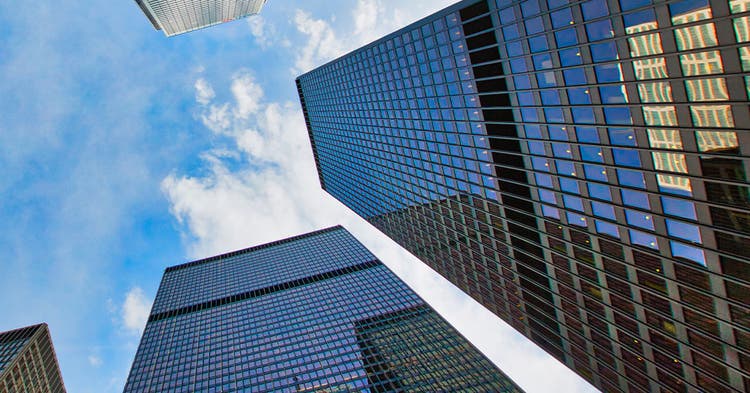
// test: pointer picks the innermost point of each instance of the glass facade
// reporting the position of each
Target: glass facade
(28, 362)
(576, 167)
(313, 313)
(182, 16)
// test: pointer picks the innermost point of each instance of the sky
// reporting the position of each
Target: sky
(123, 152)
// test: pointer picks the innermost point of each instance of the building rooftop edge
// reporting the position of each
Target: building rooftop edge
(148, 14)
(251, 249)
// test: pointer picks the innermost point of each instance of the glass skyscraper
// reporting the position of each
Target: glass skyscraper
(312, 313)
(578, 167)
(28, 362)
(182, 16)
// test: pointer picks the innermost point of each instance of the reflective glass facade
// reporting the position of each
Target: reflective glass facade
(312, 313)
(182, 16)
(576, 167)
(28, 362)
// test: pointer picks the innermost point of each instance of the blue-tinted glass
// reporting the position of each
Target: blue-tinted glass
(536, 147)
(600, 191)
(530, 7)
(604, 51)
(639, 17)
(530, 115)
(607, 228)
(549, 211)
(533, 131)
(635, 198)
(579, 96)
(565, 38)
(626, 157)
(569, 185)
(522, 82)
(511, 32)
(518, 65)
(566, 168)
(525, 98)
(639, 219)
(514, 48)
(561, 150)
(643, 239)
(574, 76)
(543, 180)
(684, 230)
(540, 164)
(547, 196)
(622, 136)
(538, 44)
(552, 4)
(583, 115)
(685, 6)
(678, 207)
(595, 172)
(694, 254)
(546, 79)
(557, 133)
(561, 18)
(600, 30)
(576, 219)
(608, 73)
(550, 97)
(617, 115)
(542, 61)
(554, 115)
(613, 94)
(534, 25)
(591, 153)
(633, 4)
(507, 15)
(594, 9)
(587, 134)
(631, 178)
(574, 203)
(603, 210)
(570, 57)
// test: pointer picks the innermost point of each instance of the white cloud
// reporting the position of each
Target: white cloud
(204, 93)
(95, 361)
(135, 310)
(265, 33)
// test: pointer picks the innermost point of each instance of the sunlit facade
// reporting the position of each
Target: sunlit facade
(312, 313)
(579, 168)
(28, 362)
(182, 16)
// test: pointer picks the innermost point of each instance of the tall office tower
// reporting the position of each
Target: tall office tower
(578, 167)
(182, 16)
(28, 362)
(312, 313)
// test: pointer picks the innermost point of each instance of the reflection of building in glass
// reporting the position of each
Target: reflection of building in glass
(28, 362)
(577, 167)
(182, 16)
(312, 313)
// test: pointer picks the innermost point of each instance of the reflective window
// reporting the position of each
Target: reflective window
(552, 212)
(717, 141)
(712, 116)
(547, 196)
(631, 178)
(627, 5)
(594, 9)
(626, 157)
(582, 115)
(569, 185)
(558, 133)
(655, 92)
(566, 38)
(574, 203)
(538, 44)
(579, 96)
(561, 150)
(674, 184)
(669, 162)
(643, 239)
(622, 136)
(534, 25)
(591, 153)
(607, 228)
(530, 7)
(576, 219)
(678, 207)
(600, 30)
(688, 252)
(537, 148)
(617, 115)
(683, 230)
(639, 219)
(664, 139)
(613, 94)
(550, 97)
(603, 210)
(543, 180)
(602, 52)
(595, 172)
(608, 73)
(702, 63)
(561, 18)
(600, 191)
(565, 168)
(587, 134)
(570, 57)
(710, 89)
(635, 198)
(575, 76)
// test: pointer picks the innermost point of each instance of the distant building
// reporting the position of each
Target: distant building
(182, 16)
(580, 168)
(312, 313)
(28, 362)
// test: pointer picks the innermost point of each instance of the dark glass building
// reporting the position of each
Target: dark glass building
(312, 313)
(28, 362)
(578, 167)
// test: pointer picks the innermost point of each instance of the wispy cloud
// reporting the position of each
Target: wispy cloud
(135, 310)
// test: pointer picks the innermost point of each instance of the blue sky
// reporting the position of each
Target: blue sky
(123, 152)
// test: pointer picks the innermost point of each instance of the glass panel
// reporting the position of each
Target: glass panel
(684, 230)
(591, 153)
(552, 212)
(622, 136)
(600, 30)
(613, 94)
(558, 133)
(587, 134)
(669, 162)
(547, 196)
(678, 207)
(664, 139)
(643, 239)
(687, 11)
(603, 210)
(631, 178)
(716, 141)
(607, 228)
(738, 6)
(655, 92)
(674, 184)
(696, 37)
(600, 191)
(688, 252)
(561, 18)
(711, 89)
(573, 203)
(595, 172)
(576, 219)
(635, 198)
(712, 116)
(566, 38)
(654, 68)
(702, 63)
(639, 219)
(659, 115)
(594, 9)
(626, 157)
